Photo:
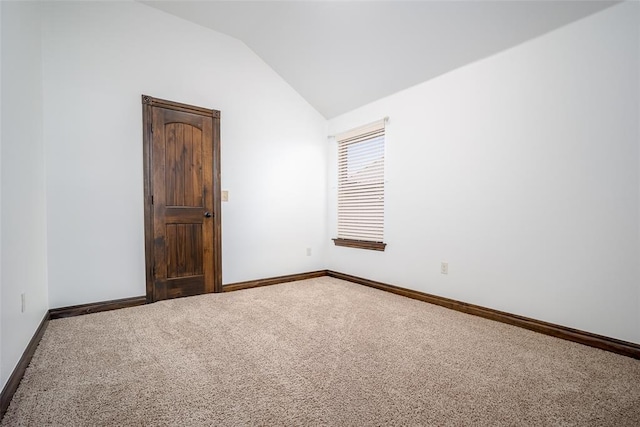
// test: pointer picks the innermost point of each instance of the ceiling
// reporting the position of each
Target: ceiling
(340, 55)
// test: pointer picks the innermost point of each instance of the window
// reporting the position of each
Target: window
(361, 187)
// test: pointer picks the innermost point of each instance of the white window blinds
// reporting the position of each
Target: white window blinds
(361, 183)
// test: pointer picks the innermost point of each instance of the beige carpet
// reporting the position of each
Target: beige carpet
(316, 352)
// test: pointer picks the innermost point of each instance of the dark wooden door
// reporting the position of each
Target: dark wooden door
(182, 210)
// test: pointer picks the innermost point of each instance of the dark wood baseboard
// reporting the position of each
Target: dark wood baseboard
(272, 281)
(96, 307)
(624, 348)
(614, 345)
(16, 376)
(593, 340)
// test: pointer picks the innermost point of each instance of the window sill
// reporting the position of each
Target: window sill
(360, 244)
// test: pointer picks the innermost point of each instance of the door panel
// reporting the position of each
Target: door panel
(183, 157)
(184, 160)
(184, 250)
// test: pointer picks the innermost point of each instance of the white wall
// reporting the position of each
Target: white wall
(98, 59)
(521, 171)
(23, 241)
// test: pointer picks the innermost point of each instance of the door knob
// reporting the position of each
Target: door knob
(207, 214)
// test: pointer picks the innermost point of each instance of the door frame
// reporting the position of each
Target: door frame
(148, 102)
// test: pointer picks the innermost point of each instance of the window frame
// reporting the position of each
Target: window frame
(362, 134)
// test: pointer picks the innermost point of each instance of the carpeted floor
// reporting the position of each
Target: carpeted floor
(316, 352)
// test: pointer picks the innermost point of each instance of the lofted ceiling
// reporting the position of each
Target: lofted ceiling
(340, 55)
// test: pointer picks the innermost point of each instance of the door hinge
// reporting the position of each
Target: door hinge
(151, 126)
(153, 269)
(151, 199)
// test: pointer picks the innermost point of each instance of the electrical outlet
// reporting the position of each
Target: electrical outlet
(23, 300)
(308, 251)
(444, 267)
